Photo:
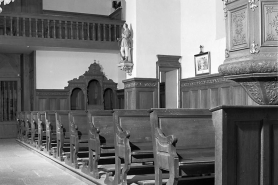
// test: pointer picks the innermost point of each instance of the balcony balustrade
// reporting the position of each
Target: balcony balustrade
(61, 28)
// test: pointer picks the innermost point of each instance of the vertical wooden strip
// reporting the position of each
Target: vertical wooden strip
(24, 22)
(15, 98)
(48, 28)
(99, 30)
(30, 27)
(71, 34)
(109, 32)
(93, 31)
(17, 26)
(36, 24)
(42, 28)
(266, 136)
(82, 30)
(115, 33)
(54, 29)
(60, 29)
(88, 31)
(11, 25)
(104, 32)
(5, 101)
(8, 100)
(66, 29)
(5, 27)
(77, 30)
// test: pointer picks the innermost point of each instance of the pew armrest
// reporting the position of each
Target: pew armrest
(165, 140)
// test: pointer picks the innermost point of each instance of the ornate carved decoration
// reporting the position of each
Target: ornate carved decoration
(254, 91)
(271, 22)
(204, 82)
(247, 67)
(271, 89)
(252, 5)
(52, 93)
(126, 66)
(227, 53)
(239, 30)
(140, 84)
(225, 8)
(254, 48)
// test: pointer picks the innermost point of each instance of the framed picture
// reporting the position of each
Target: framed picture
(202, 63)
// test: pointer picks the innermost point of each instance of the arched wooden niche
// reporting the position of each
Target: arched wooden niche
(99, 92)
(77, 100)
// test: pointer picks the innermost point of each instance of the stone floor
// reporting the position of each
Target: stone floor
(20, 166)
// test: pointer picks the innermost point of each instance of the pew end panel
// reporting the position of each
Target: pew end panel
(78, 138)
(50, 131)
(183, 141)
(247, 144)
(101, 141)
(34, 127)
(133, 143)
(63, 134)
(41, 130)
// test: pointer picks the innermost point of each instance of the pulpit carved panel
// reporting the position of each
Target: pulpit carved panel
(270, 24)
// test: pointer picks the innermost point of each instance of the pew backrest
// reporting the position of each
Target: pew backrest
(50, 121)
(135, 123)
(79, 124)
(62, 122)
(193, 129)
(101, 127)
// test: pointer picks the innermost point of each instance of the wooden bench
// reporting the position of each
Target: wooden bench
(63, 134)
(184, 144)
(27, 137)
(79, 129)
(41, 130)
(34, 127)
(21, 127)
(133, 145)
(50, 131)
(101, 141)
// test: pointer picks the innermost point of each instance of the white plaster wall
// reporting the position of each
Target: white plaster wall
(56, 68)
(202, 23)
(156, 27)
(100, 7)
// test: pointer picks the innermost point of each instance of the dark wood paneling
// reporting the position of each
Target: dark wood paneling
(246, 145)
(209, 91)
(141, 93)
(52, 99)
(185, 99)
(8, 129)
(146, 100)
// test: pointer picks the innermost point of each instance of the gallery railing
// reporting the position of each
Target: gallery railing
(59, 27)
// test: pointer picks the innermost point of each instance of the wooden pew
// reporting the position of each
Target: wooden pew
(133, 145)
(78, 138)
(34, 127)
(183, 141)
(21, 130)
(27, 118)
(63, 134)
(41, 130)
(50, 131)
(18, 124)
(101, 141)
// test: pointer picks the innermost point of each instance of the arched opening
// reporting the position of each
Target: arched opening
(94, 93)
(108, 99)
(77, 99)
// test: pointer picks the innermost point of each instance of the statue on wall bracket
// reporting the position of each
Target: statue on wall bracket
(126, 63)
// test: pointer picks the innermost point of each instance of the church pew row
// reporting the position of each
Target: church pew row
(90, 136)
(79, 150)
(133, 145)
(41, 130)
(63, 134)
(101, 141)
(34, 127)
(27, 118)
(183, 141)
(50, 131)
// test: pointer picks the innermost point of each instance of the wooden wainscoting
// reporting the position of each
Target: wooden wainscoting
(141, 93)
(52, 99)
(209, 91)
(8, 129)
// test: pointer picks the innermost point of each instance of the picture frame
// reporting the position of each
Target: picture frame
(202, 63)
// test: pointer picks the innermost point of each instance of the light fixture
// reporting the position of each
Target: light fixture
(5, 3)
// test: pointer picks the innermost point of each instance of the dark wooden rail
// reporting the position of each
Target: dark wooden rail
(60, 27)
